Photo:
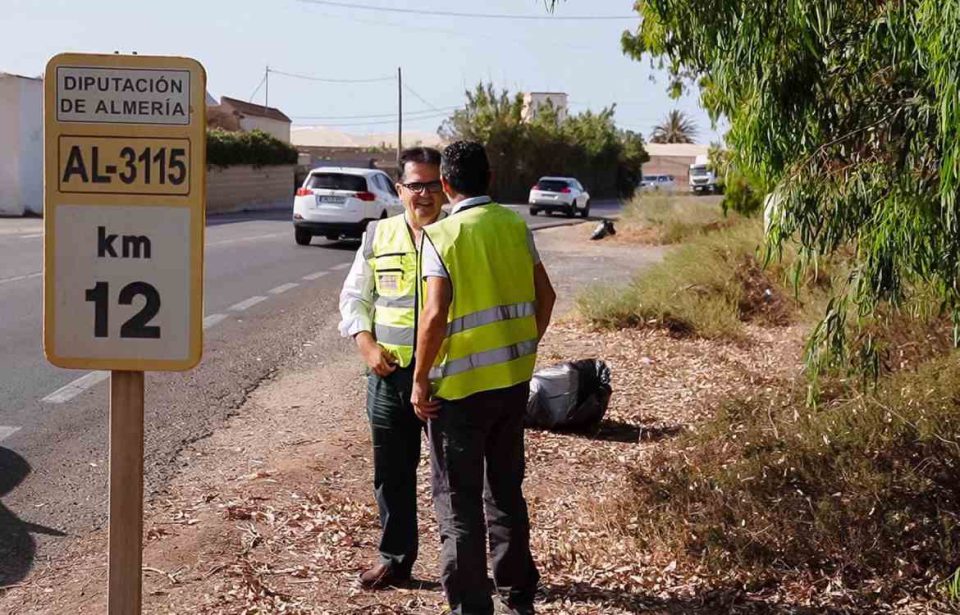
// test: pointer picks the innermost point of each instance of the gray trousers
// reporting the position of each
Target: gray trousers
(477, 468)
(395, 431)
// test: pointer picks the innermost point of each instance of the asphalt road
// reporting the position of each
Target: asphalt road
(264, 296)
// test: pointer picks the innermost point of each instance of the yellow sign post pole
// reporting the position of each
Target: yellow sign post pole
(124, 213)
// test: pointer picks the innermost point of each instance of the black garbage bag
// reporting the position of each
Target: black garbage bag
(604, 228)
(569, 396)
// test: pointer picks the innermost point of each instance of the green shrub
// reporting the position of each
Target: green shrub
(741, 195)
(226, 148)
(585, 145)
(706, 287)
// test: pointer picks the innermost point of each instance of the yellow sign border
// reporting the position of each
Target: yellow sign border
(195, 131)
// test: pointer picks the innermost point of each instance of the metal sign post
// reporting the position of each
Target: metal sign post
(124, 197)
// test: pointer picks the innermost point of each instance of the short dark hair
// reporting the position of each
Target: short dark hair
(422, 155)
(466, 168)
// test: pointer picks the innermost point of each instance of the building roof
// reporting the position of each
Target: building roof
(255, 110)
(686, 150)
(14, 75)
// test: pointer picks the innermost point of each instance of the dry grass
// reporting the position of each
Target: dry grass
(668, 219)
(862, 493)
(707, 287)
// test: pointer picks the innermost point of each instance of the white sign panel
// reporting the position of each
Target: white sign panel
(123, 96)
(131, 265)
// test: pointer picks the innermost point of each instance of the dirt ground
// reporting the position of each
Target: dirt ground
(275, 513)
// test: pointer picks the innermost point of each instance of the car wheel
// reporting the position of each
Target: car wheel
(302, 236)
(383, 214)
(572, 210)
(586, 210)
(534, 211)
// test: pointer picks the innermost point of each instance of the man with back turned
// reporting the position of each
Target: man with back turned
(487, 300)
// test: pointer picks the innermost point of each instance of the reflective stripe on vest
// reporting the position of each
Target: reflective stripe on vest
(397, 302)
(492, 315)
(491, 339)
(484, 359)
(389, 249)
(394, 336)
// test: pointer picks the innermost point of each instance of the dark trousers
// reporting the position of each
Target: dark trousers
(477, 468)
(395, 431)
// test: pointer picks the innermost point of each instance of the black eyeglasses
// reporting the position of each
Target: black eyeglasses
(422, 187)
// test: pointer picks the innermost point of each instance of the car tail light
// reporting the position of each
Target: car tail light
(304, 192)
(366, 196)
(535, 187)
(566, 191)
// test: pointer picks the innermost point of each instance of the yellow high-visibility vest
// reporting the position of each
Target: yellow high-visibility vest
(389, 249)
(491, 340)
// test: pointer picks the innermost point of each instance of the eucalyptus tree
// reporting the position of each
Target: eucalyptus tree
(848, 112)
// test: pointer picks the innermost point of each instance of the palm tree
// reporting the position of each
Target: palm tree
(675, 128)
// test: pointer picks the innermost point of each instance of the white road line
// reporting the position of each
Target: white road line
(247, 303)
(283, 288)
(6, 432)
(34, 236)
(316, 276)
(21, 277)
(242, 239)
(341, 266)
(212, 319)
(76, 387)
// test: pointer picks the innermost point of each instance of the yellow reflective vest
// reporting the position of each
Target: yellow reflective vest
(491, 340)
(389, 248)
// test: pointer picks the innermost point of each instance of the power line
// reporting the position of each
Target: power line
(258, 88)
(369, 7)
(329, 80)
(422, 99)
(458, 34)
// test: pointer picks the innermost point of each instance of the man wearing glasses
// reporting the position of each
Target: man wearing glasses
(378, 307)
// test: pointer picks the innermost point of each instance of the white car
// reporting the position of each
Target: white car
(564, 194)
(658, 182)
(340, 201)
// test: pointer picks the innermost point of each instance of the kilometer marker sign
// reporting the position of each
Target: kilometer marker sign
(125, 168)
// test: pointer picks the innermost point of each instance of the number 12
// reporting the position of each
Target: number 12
(135, 327)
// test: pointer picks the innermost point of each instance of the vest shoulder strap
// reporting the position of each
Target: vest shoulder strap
(368, 238)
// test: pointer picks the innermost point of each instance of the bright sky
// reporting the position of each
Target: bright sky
(441, 56)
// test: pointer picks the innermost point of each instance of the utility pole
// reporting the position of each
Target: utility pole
(399, 114)
(266, 82)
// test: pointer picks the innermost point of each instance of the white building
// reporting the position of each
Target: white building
(21, 145)
(533, 101)
(239, 115)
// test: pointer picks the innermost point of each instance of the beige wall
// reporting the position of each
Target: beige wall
(245, 187)
(276, 128)
(678, 166)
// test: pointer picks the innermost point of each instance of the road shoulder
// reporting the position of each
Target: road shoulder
(276, 510)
